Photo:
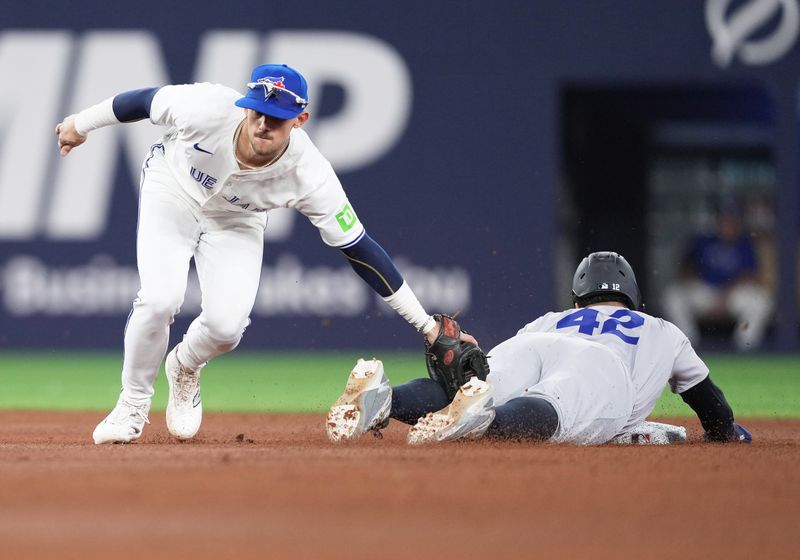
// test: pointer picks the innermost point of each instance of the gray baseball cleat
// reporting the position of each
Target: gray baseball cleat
(467, 417)
(184, 406)
(364, 405)
(124, 424)
(651, 433)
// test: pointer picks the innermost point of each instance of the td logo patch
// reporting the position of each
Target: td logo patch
(346, 218)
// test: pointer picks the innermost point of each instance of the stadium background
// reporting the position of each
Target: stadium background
(521, 134)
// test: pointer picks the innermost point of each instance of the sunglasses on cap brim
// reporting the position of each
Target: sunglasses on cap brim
(281, 96)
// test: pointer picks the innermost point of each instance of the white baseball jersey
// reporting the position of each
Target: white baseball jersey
(650, 352)
(195, 202)
(199, 149)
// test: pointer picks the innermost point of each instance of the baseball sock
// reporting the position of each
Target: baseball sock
(417, 398)
(524, 418)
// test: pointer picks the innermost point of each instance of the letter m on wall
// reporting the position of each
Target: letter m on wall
(49, 75)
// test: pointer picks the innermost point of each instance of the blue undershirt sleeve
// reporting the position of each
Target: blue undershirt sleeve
(371, 262)
(134, 105)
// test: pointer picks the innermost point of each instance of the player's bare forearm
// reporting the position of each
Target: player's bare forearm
(68, 136)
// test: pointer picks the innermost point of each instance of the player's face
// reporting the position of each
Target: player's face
(267, 136)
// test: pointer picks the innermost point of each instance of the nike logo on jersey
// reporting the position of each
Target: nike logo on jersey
(199, 149)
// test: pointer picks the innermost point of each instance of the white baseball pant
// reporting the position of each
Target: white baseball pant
(587, 384)
(227, 248)
(750, 304)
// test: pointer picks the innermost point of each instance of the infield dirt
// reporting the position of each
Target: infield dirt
(272, 486)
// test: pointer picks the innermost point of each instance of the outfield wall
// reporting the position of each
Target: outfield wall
(444, 121)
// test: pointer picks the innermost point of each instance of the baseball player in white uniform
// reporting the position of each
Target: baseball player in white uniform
(223, 163)
(587, 375)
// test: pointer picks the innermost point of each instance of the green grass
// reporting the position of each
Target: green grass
(240, 382)
(756, 386)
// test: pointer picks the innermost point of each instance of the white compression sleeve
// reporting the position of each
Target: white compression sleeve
(96, 116)
(409, 308)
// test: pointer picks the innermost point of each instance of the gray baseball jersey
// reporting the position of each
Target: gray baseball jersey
(653, 351)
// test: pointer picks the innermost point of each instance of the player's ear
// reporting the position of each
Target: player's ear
(301, 119)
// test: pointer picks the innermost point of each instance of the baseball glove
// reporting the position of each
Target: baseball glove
(451, 362)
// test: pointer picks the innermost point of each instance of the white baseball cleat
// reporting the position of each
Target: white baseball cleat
(467, 417)
(124, 424)
(363, 406)
(652, 433)
(184, 407)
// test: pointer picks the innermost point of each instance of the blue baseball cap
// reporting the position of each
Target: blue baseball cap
(276, 90)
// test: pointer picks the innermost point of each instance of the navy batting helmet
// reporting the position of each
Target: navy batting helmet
(605, 274)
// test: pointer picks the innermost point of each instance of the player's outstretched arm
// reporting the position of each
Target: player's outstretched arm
(715, 414)
(371, 262)
(129, 106)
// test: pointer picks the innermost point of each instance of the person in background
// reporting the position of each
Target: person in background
(720, 278)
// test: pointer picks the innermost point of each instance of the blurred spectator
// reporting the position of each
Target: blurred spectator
(720, 279)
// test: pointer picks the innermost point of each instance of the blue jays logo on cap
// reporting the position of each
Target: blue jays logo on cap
(275, 80)
(276, 90)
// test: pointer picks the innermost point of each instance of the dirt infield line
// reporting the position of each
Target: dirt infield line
(272, 486)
